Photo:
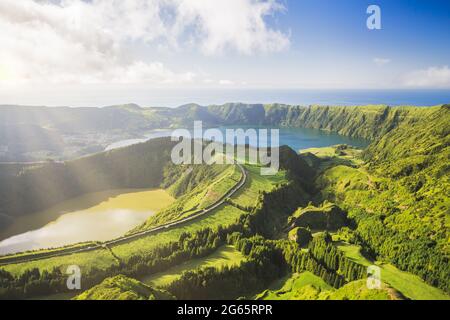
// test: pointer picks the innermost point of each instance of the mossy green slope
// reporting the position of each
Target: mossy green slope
(124, 288)
(357, 290)
(226, 256)
(198, 187)
(307, 286)
(410, 286)
(400, 198)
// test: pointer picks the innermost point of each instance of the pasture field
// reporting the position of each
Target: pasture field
(224, 215)
(307, 286)
(411, 286)
(257, 183)
(323, 152)
(221, 186)
(224, 256)
(207, 194)
(297, 286)
(194, 195)
(85, 260)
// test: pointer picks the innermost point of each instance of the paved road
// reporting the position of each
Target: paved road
(133, 236)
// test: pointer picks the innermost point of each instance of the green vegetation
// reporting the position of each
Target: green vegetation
(123, 288)
(262, 265)
(307, 286)
(388, 204)
(150, 260)
(409, 285)
(199, 187)
(86, 260)
(13, 258)
(37, 283)
(357, 290)
(401, 206)
(101, 259)
(300, 235)
(247, 197)
(323, 259)
(326, 217)
(303, 286)
(363, 121)
(226, 256)
(327, 157)
(223, 216)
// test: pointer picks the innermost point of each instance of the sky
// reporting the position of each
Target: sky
(99, 52)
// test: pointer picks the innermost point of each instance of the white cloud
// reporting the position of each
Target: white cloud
(381, 61)
(226, 82)
(432, 77)
(89, 41)
(231, 24)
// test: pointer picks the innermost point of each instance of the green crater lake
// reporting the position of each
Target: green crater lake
(96, 216)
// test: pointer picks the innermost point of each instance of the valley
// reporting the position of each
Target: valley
(228, 227)
(235, 158)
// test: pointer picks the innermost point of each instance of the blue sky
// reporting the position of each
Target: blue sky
(329, 40)
(414, 33)
(54, 51)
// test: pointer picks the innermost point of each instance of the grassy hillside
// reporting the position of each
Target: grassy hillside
(303, 286)
(255, 184)
(307, 286)
(410, 286)
(223, 216)
(389, 223)
(123, 288)
(365, 122)
(198, 187)
(394, 194)
(357, 290)
(399, 199)
(226, 256)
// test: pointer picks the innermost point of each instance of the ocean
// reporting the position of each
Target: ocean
(174, 98)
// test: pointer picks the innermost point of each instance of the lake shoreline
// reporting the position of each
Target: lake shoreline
(107, 214)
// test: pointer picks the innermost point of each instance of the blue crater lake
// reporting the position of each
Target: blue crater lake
(296, 138)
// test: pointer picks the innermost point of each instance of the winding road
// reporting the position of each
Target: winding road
(134, 236)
